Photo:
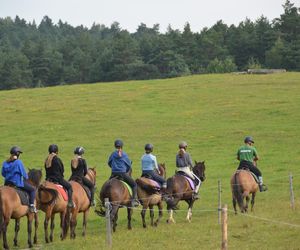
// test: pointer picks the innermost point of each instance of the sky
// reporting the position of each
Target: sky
(131, 13)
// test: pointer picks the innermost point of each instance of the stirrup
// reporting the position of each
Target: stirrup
(135, 203)
(195, 196)
(263, 188)
(71, 204)
(32, 208)
(92, 203)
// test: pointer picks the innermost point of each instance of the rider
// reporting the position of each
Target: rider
(149, 162)
(184, 164)
(79, 170)
(248, 157)
(55, 172)
(120, 165)
(14, 173)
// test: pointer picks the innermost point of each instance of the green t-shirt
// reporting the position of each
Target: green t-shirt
(247, 153)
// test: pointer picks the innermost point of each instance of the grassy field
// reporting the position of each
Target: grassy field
(213, 113)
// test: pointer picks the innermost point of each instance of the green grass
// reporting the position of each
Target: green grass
(213, 113)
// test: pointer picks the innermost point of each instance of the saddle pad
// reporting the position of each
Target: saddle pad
(190, 181)
(24, 197)
(62, 191)
(87, 190)
(152, 182)
(254, 176)
(128, 187)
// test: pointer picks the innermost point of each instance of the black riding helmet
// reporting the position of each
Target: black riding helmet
(118, 143)
(79, 150)
(53, 148)
(149, 147)
(15, 150)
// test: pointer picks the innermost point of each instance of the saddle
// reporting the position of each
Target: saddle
(24, 197)
(193, 183)
(253, 175)
(59, 188)
(123, 182)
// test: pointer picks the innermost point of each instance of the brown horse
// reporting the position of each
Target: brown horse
(242, 185)
(81, 201)
(150, 197)
(119, 196)
(11, 208)
(178, 188)
(50, 201)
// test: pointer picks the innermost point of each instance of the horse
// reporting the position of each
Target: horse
(118, 196)
(178, 188)
(82, 203)
(242, 185)
(12, 208)
(51, 201)
(150, 197)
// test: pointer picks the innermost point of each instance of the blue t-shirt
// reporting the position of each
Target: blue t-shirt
(149, 162)
(14, 172)
(119, 162)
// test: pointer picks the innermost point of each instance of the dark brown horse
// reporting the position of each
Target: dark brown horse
(82, 203)
(178, 188)
(51, 201)
(11, 208)
(150, 197)
(242, 185)
(118, 196)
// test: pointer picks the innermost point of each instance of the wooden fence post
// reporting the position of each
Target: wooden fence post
(292, 191)
(108, 224)
(224, 228)
(219, 202)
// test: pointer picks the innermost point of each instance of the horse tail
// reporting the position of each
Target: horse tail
(53, 193)
(237, 191)
(104, 193)
(1, 215)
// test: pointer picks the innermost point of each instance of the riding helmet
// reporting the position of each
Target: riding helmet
(149, 147)
(15, 150)
(248, 139)
(118, 143)
(53, 148)
(79, 150)
(182, 144)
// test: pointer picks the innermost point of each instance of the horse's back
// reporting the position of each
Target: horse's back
(178, 185)
(115, 191)
(245, 180)
(80, 197)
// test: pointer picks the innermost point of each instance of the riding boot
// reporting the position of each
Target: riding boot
(92, 196)
(196, 191)
(262, 187)
(70, 199)
(134, 202)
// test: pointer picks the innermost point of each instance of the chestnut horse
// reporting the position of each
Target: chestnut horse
(242, 185)
(50, 201)
(11, 208)
(81, 201)
(149, 197)
(178, 188)
(118, 196)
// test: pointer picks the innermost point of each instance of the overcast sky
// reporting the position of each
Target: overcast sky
(131, 13)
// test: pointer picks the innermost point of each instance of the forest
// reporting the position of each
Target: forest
(47, 54)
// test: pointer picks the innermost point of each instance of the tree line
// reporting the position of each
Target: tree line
(51, 54)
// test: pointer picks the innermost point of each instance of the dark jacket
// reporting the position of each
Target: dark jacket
(54, 168)
(79, 168)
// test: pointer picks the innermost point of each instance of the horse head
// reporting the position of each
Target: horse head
(35, 177)
(199, 170)
(162, 170)
(91, 175)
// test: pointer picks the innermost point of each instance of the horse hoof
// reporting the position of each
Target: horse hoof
(144, 226)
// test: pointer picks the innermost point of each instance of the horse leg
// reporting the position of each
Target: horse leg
(143, 213)
(234, 204)
(252, 201)
(36, 225)
(29, 228)
(151, 215)
(52, 227)
(114, 217)
(129, 214)
(160, 213)
(85, 214)
(46, 222)
(17, 229)
(189, 213)
(4, 231)
(170, 219)
(246, 195)
(73, 223)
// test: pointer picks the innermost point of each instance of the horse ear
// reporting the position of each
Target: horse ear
(196, 162)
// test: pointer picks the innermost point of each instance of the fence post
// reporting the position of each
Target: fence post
(224, 228)
(292, 192)
(108, 224)
(219, 202)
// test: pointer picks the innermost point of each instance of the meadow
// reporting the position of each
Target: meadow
(213, 113)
